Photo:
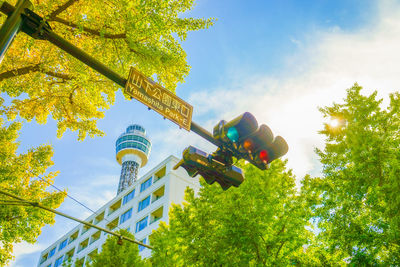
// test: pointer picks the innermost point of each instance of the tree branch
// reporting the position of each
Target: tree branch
(260, 259)
(58, 75)
(19, 71)
(267, 247)
(283, 229)
(61, 8)
(32, 68)
(89, 30)
(277, 253)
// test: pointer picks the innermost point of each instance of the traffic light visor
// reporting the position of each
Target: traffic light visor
(237, 129)
(244, 124)
(279, 147)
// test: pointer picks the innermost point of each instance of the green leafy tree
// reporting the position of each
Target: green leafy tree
(19, 175)
(42, 80)
(38, 80)
(260, 223)
(118, 255)
(358, 211)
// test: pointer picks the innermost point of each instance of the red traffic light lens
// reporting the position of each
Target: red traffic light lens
(264, 156)
(248, 145)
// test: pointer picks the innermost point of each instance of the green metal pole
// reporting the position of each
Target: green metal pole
(84, 57)
(11, 26)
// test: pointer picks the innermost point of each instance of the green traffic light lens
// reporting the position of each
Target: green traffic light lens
(233, 134)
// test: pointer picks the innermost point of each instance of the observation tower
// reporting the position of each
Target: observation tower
(132, 151)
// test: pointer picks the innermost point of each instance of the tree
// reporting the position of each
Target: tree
(37, 80)
(19, 175)
(42, 80)
(359, 207)
(118, 255)
(260, 223)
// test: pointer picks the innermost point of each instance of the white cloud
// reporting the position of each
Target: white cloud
(318, 75)
(24, 248)
(93, 192)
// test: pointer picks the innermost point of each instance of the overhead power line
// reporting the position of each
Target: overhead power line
(74, 199)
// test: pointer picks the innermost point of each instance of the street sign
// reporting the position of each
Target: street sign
(159, 99)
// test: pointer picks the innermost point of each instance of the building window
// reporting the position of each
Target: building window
(125, 216)
(145, 185)
(128, 197)
(63, 244)
(51, 253)
(142, 247)
(132, 138)
(140, 225)
(137, 145)
(58, 262)
(144, 203)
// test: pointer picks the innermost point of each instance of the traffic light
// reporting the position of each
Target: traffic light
(244, 139)
(11, 26)
(195, 162)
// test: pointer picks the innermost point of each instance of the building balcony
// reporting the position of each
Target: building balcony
(159, 193)
(114, 207)
(156, 215)
(84, 244)
(73, 237)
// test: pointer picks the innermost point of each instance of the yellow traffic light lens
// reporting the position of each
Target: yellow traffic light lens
(248, 145)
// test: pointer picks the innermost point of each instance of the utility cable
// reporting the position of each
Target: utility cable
(74, 199)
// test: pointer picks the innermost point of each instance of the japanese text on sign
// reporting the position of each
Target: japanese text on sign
(159, 99)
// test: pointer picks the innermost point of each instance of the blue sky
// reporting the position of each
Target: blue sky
(280, 60)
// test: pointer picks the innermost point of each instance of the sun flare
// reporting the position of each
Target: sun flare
(334, 123)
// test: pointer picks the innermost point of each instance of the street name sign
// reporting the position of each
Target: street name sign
(159, 99)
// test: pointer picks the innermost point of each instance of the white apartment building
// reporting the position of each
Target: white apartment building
(139, 208)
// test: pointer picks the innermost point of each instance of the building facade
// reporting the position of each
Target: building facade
(139, 207)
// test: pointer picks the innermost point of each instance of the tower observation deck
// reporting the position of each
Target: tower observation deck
(132, 151)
